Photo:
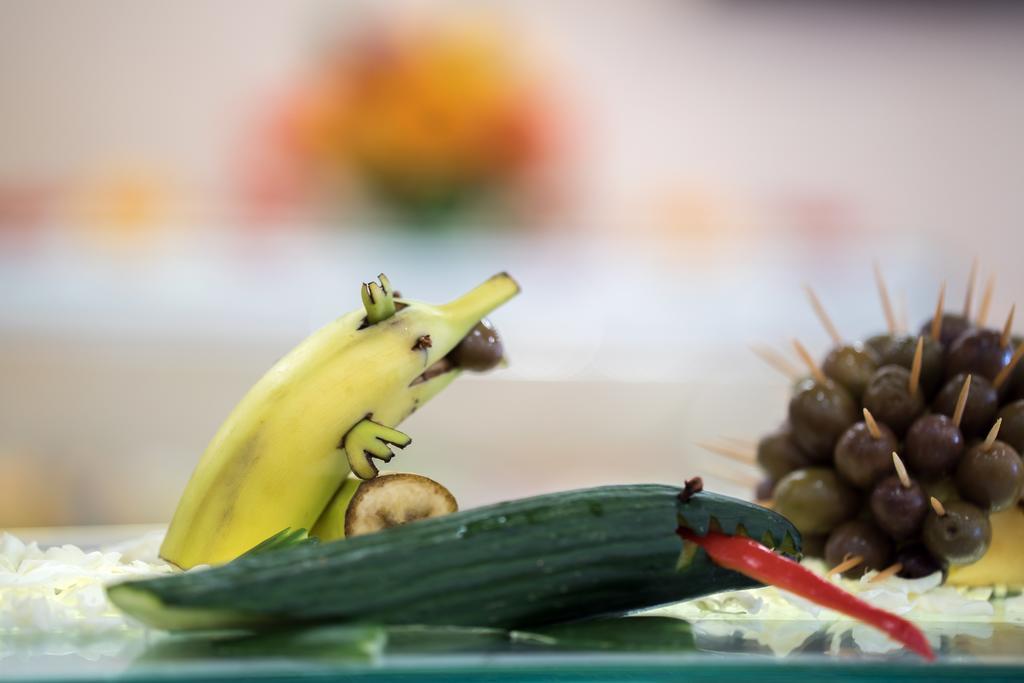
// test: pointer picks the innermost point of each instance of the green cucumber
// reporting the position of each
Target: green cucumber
(541, 560)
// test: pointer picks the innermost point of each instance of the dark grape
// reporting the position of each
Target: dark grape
(991, 477)
(819, 413)
(862, 459)
(960, 536)
(978, 352)
(815, 499)
(858, 537)
(890, 400)
(851, 366)
(981, 408)
(899, 510)
(933, 446)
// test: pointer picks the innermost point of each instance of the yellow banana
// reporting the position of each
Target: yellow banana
(279, 457)
(331, 525)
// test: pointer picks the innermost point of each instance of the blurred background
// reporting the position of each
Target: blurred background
(188, 189)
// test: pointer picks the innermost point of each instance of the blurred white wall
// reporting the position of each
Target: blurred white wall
(908, 114)
(729, 151)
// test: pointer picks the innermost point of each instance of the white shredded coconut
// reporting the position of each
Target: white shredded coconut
(782, 621)
(1013, 609)
(61, 589)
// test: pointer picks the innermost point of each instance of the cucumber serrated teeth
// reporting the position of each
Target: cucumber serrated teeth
(700, 512)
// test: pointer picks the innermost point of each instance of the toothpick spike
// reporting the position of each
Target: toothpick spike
(887, 573)
(816, 372)
(940, 510)
(993, 434)
(972, 277)
(739, 455)
(826, 322)
(848, 563)
(901, 470)
(777, 361)
(883, 294)
(744, 443)
(1005, 373)
(936, 331)
(961, 402)
(986, 301)
(915, 367)
(1004, 340)
(869, 420)
(740, 477)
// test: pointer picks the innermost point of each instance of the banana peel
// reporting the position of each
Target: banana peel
(280, 456)
(330, 526)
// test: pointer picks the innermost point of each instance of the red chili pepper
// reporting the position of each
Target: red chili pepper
(750, 558)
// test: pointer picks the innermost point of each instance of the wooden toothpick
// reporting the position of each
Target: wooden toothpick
(1005, 373)
(869, 420)
(740, 455)
(743, 443)
(816, 372)
(848, 563)
(777, 361)
(730, 474)
(938, 507)
(915, 367)
(936, 330)
(887, 573)
(901, 470)
(1004, 339)
(883, 294)
(993, 434)
(986, 301)
(826, 321)
(961, 402)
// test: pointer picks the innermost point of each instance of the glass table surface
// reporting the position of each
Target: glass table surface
(626, 649)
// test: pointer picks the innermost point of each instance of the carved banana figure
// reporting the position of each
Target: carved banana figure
(322, 411)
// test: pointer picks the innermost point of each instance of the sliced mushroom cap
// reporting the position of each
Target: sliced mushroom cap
(394, 499)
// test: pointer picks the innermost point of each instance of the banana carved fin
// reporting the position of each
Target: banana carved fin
(369, 439)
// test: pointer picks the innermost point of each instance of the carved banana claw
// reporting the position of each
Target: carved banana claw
(369, 439)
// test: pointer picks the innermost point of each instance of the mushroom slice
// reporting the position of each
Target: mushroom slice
(394, 499)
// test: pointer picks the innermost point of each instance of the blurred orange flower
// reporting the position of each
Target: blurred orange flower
(421, 118)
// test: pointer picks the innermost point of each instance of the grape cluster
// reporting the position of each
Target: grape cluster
(954, 415)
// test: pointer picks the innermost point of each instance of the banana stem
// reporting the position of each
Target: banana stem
(378, 300)
(482, 299)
